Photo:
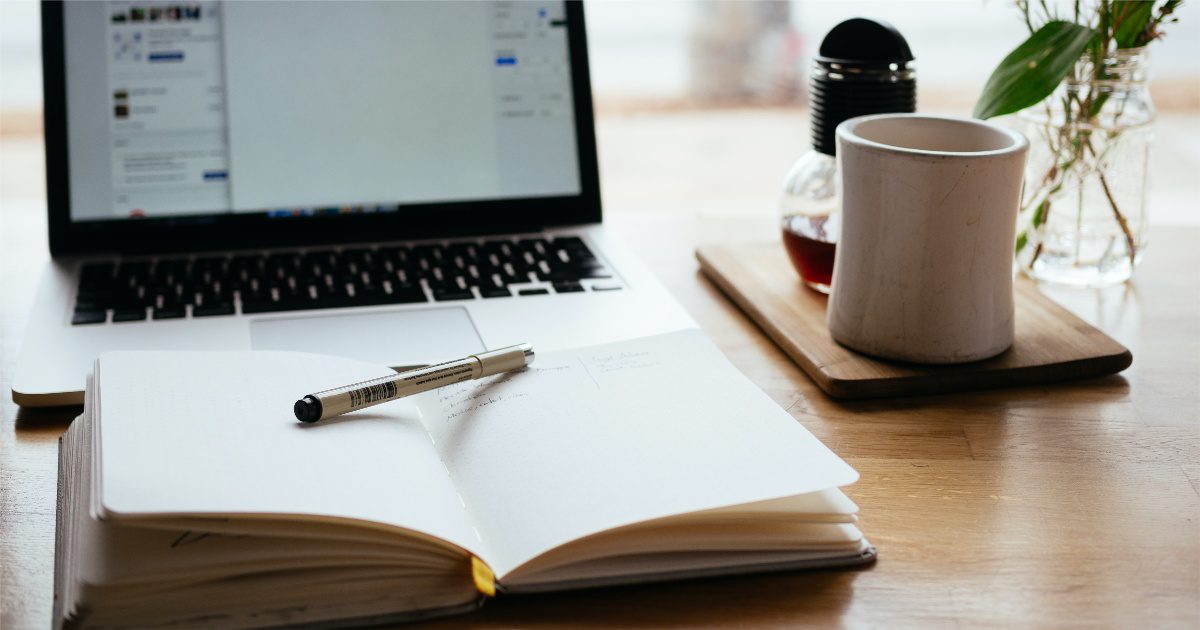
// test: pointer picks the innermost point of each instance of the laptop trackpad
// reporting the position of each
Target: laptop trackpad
(395, 338)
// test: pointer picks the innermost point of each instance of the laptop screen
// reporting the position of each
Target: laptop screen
(179, 109)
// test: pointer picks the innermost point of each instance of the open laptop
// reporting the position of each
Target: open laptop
(401, 182)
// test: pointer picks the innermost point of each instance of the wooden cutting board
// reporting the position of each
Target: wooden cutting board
(1051, 344)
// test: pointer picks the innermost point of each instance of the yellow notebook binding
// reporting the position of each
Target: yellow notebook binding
(485, 580)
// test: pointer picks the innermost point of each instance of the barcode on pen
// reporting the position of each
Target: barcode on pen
(372, 393)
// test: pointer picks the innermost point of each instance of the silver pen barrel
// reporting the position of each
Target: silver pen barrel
(340, 400)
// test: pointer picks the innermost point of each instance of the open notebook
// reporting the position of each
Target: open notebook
(190, 495)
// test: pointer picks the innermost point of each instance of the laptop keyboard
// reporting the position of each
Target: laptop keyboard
(221, 285)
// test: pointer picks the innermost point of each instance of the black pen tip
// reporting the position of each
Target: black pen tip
(308, 409)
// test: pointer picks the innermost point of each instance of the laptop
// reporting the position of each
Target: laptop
(399, 182)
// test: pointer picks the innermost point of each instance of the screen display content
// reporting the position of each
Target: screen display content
(314, 108)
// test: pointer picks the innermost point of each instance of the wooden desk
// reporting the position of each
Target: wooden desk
(1068, 505)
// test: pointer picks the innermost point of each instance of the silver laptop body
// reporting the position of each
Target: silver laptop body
(401, 182)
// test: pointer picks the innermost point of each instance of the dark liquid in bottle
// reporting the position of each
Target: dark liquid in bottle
(812, 257)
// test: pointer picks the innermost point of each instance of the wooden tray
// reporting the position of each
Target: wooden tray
(1051, 344)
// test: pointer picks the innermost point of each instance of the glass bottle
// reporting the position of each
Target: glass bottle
(811, 206)
(864, 67)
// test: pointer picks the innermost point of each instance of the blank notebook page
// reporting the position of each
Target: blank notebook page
(591, 439)
(214, 433)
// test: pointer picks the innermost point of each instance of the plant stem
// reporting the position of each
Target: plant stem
(1024, 6)
(1130, 242)
(1078, 224)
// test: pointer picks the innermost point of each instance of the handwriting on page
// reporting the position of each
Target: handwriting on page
(621, 361)
(461, 400)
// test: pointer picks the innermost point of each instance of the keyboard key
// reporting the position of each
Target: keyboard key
(406, 295)
(537, 247)
(129, 314)
(574, 270)
(466, 252)
(129, 300)
(262, 306)
(213, 308)
(96, 277)
(175, 311)
(102, 296)
(211, 267)
(491, 282)
(88, 317)
(134, 268)
(606, 287)
(569, 241)
(370, 296)
(447, 294)
(533, 292)
(169, 269)
(495, 292)
(574, 276)
(567, 287)
(432, 254)
(249, 264)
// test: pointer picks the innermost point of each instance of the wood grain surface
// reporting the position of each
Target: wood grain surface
(1051, 343)
(1068, 505)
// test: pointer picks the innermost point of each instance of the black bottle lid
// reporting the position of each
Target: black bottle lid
(863, 67)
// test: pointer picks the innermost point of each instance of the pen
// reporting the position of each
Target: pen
(340, 400)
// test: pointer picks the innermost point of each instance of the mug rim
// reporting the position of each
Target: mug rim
(847, 131)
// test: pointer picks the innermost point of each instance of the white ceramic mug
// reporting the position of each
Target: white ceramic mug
(923, 269)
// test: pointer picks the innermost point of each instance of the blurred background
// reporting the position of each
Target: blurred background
(705, 100)
(709, 53)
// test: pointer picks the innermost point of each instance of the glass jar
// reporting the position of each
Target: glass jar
(1083, 210)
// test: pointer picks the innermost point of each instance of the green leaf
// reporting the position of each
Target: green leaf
(1032, 71)
(1039, 215)
(1130, 18)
